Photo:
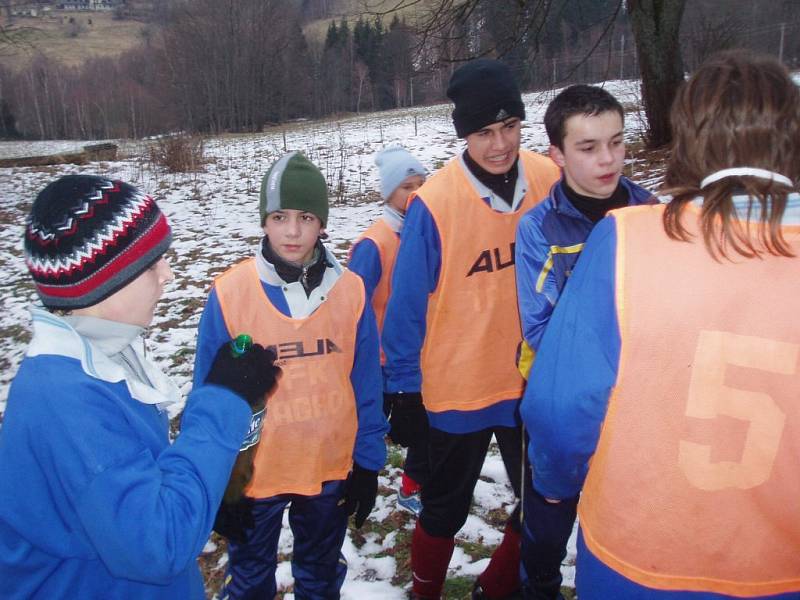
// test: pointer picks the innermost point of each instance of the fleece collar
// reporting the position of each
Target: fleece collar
(300, 304)
(53, 335)
(394, 218)
(791, 215)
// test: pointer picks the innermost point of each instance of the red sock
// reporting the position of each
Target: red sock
(408, 486)
(429, 559)
(501, 577)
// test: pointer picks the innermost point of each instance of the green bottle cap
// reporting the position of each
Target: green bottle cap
(241, 345)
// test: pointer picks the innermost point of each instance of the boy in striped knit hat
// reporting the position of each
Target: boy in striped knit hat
(94, 499)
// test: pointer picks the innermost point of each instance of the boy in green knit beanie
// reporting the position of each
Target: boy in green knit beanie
(322, 439)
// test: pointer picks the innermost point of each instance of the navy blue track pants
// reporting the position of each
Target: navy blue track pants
(318, 523)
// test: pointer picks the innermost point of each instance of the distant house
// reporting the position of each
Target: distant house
(90, 5)
(33, 9)
(25, 11)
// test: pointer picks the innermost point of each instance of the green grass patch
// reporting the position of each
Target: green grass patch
(395, 457)
(497, 518)
(475, 550)
(458, 588)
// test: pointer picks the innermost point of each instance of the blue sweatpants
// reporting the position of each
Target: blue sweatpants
(318, 523)
(546, 528)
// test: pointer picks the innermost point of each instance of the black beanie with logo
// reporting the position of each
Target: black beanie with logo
(484, 92)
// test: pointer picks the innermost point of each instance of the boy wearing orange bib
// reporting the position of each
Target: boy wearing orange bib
(322, 440)
(452, 327)
(667, 380)
(372, 257)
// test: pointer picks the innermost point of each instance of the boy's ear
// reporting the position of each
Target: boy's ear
(557, 155)
(323, 235)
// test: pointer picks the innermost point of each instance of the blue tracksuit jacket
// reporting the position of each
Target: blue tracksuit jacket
(567, 396)
(94, 500)
(365, 261)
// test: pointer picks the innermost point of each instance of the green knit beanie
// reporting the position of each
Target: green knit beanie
(294, 182)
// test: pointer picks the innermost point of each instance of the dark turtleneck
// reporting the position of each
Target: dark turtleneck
(310, 276)
(595, 209)
(503, 185)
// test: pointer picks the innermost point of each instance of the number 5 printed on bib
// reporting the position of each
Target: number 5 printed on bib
(710, 398)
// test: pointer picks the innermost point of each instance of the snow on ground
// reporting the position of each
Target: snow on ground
(41, 148)
(214, 216)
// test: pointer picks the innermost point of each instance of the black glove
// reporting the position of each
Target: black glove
(252, 375)
(234, 519)
(408, 420)
(360, 490)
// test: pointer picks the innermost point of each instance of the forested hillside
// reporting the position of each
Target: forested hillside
(213, 66)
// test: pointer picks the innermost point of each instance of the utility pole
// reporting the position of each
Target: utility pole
(780, 51)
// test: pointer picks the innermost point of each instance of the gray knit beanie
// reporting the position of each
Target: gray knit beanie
(395, 164)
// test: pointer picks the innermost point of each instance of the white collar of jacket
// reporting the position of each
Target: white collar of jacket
(791, 216)
(394, 218)
(110, 337)
(492, 199)
(300, 305)
(53, 335)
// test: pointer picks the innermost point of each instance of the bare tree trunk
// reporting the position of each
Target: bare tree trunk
(80, 117)
(48, 103)
(35, 98)
(133, 131)
(67, 120)
(361, 72)
(655, 25)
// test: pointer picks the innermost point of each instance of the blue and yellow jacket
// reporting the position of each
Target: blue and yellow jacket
(550, 238)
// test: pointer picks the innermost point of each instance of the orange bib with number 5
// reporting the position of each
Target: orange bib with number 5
(695, 484)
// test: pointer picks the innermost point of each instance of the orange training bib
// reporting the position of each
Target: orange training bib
(310, 426)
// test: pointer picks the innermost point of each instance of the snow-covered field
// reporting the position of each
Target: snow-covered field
(214, 217)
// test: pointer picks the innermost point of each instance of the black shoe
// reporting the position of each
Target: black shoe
(479, 594)
(413, 596)
(542, 590)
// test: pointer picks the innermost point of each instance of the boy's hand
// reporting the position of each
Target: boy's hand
(234, 519)
(360, 490)
(253, 375)
(408, 419)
